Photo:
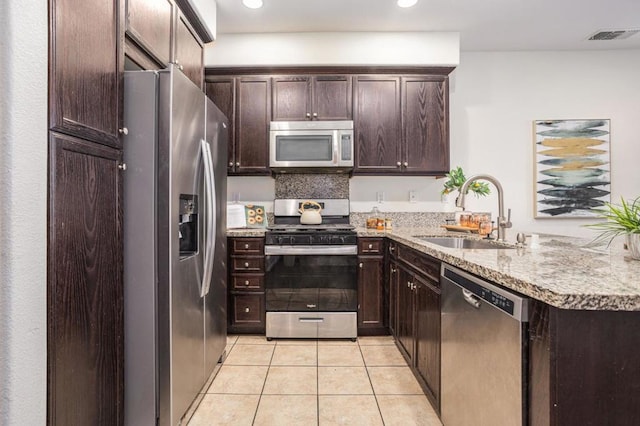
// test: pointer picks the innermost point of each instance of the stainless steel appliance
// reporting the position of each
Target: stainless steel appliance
(311, 273)
(484, 352)
(311, 146)
(175, 244)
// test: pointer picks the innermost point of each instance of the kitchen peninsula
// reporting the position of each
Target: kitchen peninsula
(583, 362)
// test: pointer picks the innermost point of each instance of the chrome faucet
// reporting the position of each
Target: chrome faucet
(503, 223)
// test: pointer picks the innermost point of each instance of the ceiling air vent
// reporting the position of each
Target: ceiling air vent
(613, 34)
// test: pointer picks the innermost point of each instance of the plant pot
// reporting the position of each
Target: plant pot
(633, 244)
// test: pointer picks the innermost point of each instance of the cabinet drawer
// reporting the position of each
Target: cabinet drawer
(370, 246)
(253, 246)
(248, 308)
(247, 264)
(421, 262)
(244, 282)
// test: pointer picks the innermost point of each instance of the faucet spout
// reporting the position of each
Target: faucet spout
(503, 223)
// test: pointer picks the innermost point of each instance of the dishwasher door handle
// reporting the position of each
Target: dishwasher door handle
(471, 299)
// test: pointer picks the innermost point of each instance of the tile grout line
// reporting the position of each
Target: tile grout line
(317, 383)
(375, 395)
(264, 384)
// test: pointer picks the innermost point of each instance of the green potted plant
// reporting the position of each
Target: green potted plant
(621, 219)
(456, 179)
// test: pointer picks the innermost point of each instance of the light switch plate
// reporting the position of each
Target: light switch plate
(412, 196)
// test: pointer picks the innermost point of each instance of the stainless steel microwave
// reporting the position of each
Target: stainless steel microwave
(309, 146)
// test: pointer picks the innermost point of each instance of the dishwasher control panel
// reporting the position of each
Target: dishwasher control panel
(504, 300)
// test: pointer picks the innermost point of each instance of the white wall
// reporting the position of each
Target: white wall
(351, 48)
(497, 95)
(23, 220)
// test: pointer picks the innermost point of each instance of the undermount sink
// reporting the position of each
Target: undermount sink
(463, 243)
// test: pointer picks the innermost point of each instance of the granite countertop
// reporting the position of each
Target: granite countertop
(560, 272)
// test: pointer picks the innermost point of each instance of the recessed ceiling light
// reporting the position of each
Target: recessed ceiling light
(407, 3)
(253, 4)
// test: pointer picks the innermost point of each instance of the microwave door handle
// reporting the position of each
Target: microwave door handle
(210, 214)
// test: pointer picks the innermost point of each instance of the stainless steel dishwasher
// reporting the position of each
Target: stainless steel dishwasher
(484, 352)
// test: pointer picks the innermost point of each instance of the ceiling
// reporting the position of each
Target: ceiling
(482, 24)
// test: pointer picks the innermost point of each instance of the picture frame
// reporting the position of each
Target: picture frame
(572, 167)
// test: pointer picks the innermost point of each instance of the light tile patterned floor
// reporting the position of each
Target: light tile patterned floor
(309, 382)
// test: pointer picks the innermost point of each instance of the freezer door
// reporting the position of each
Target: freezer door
(181, 218)
(215, 328)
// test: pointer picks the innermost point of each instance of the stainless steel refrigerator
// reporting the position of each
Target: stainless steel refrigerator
(175, 150)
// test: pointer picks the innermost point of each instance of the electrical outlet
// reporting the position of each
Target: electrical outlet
(412, 196)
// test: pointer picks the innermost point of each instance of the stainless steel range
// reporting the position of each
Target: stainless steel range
(311, 273)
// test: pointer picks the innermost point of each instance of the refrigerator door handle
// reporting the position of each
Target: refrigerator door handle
(209, 183)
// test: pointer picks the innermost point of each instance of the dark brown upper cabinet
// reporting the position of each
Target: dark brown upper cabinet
(149, 27)
(311, 97)
(86, 69)
(253, 114)
(425, 125)
(222, 91)
(377, 124)
(402, 125)
(187, 50)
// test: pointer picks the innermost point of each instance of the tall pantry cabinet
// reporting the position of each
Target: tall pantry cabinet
(84, 271)
(85, 325)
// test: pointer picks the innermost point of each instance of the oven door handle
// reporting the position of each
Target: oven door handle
(311, 250)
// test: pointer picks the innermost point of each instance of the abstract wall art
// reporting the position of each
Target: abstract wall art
(572, 167)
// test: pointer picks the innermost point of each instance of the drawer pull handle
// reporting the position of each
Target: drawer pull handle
(246, 310)
(311, 319)
(246, 264)
(408, 284)
(370, 246)
(360, 265)
(393, 271)
(246, 282)
(246, 246)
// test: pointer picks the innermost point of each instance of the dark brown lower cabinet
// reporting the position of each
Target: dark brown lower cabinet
(84, 284)
(246, 297)
(427, 336)
(583, 367)
(371, 295)
(415, 304)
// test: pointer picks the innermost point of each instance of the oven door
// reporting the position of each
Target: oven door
(311, 278)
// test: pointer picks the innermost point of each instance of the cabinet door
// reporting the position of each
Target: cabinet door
(86, 69)
(425, 138)
(253, 114)
(393, 297)
(222, 91)
(370, 292)
(149, 25)
(427, 327)
(292, 98)
(377, 124)
(405, 310)
(188, 50)
(332, 97)
(84, 284)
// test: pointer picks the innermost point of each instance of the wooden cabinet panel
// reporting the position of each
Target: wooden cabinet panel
(253, 246)
(291, 98)
(422, 263)
(405, 311)
(85, 284)
(371, 293)
(188, 51)
(248, 309)
(393, 278)
(149, 25)
(377, 126)
(86, 69)
(332, 97)
(247, 282)
(427, 345)
(222, 91)
(247, 264)
(425, 118)
(252, 125)
(370, 245)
